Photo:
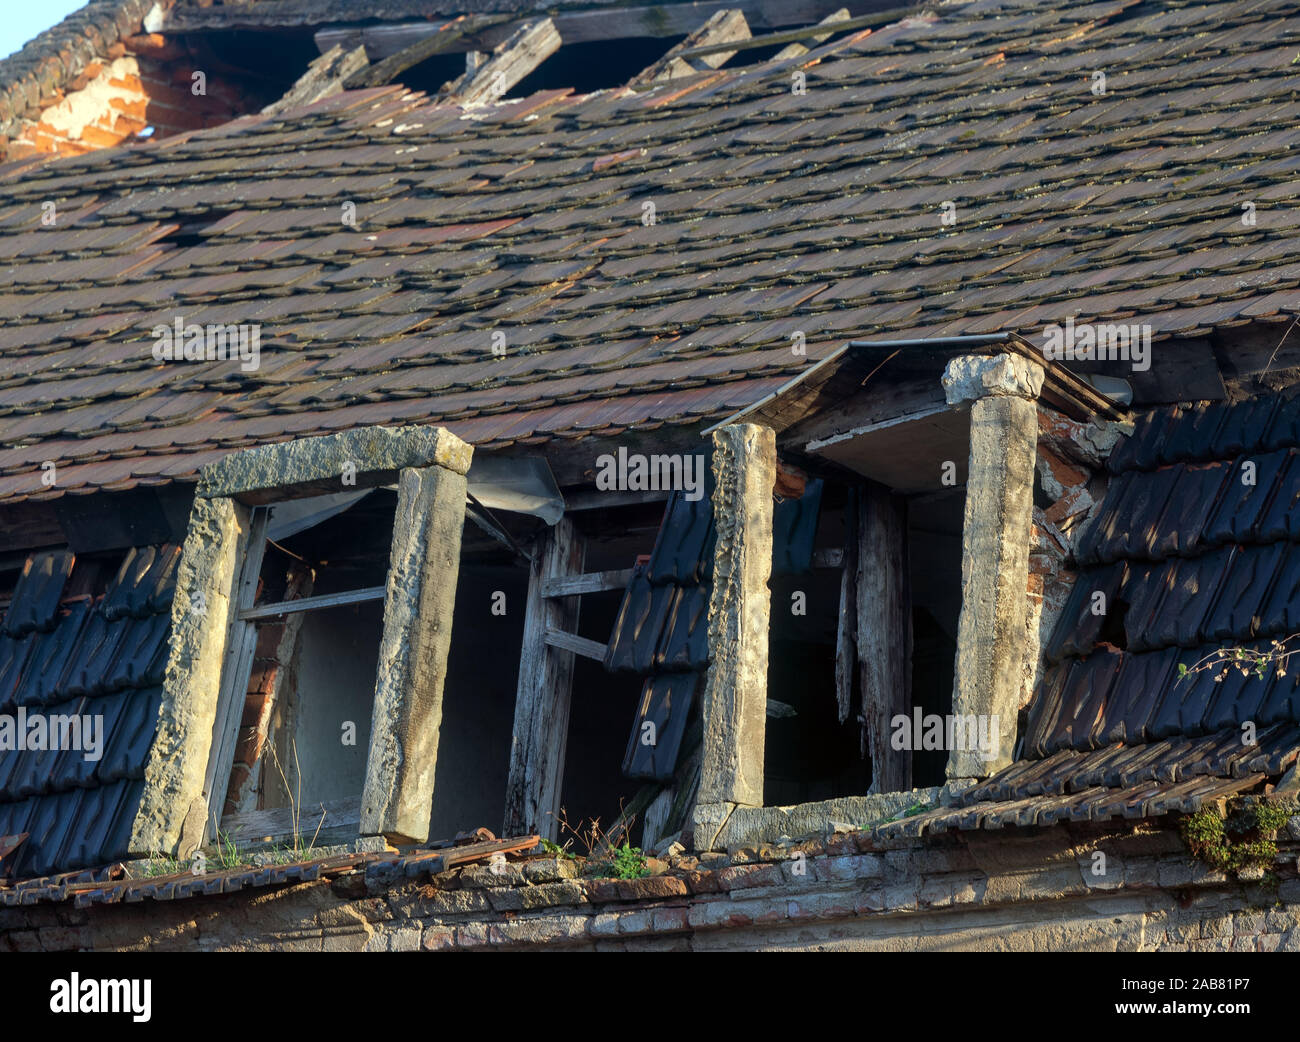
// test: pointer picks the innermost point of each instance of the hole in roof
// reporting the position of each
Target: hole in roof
(190, 231)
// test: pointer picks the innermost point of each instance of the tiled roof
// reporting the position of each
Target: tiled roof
(775, 212)
(91, 659)
(1196, 548)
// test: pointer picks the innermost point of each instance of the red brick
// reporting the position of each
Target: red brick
(651, 888)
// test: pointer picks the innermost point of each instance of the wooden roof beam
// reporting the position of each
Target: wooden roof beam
(449, 36)
(325, 77)
(798, 50)
(531, 44)
(725, 27)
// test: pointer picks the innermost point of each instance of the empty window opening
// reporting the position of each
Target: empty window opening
(934, 537)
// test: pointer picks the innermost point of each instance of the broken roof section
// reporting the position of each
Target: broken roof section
(1164, 687)
(642, 261)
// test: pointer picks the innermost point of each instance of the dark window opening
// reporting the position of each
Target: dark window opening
(934, 544)
(810, 755)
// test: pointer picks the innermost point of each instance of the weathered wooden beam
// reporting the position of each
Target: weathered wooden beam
(592, 582)
(442, 39)
(725, 27)
(798, 50)
(325, 77)
(590, 25)
(884, 632)
(541, 727)
(816, 33)
(301, 604)
(338, 821)
(530, 45)
(592, 649)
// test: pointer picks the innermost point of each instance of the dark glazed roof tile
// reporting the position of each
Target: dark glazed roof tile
(40, 681)
(35, 603)
(685, 541)
(666, 703)
(1084, 615)
(639, 627)
(127, 750)
(1136, 695)
(1247, 492)
(1251, 576)
(685, 642)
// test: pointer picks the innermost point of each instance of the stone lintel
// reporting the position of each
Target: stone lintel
(361, 458)
(421, 595)
(971, 377)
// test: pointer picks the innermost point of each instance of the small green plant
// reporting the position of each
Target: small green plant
(1246, 661)
(1242, 838)
(162, 865)
(228, 854)
(628, 863)
(604, 854)
(555, 850)
(911, 812)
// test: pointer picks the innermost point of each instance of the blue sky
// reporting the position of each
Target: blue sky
(24, 19)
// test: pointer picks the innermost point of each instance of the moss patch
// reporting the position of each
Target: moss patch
(1243, 837)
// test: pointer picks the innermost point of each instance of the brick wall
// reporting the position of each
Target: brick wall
(1004, 890)
(117, 97)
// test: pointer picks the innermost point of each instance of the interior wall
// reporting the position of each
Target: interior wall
(478, 707)
(338, 651)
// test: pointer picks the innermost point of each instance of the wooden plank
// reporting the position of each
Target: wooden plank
(440, 40)
(846, 636)
(241, 644)
(884, 631)
(342, 819)
(654, 21)
(798, 50)
(809, 33)
(707, 47)
(325, 600)
(541, 727)
(591, 649)
(592, 582)
(514, 59)
(324, 78)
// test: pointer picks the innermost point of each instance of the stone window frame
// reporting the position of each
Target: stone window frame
(1002, 392)
(221, 556)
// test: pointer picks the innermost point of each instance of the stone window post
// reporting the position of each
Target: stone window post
(429, 465)
(996, 533)
(734, 709)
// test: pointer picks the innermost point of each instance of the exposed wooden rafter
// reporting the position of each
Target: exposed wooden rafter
(724, 27)
(531, 44)
(798, 50)
(446, 38)
(657, 21)
(325, 77)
